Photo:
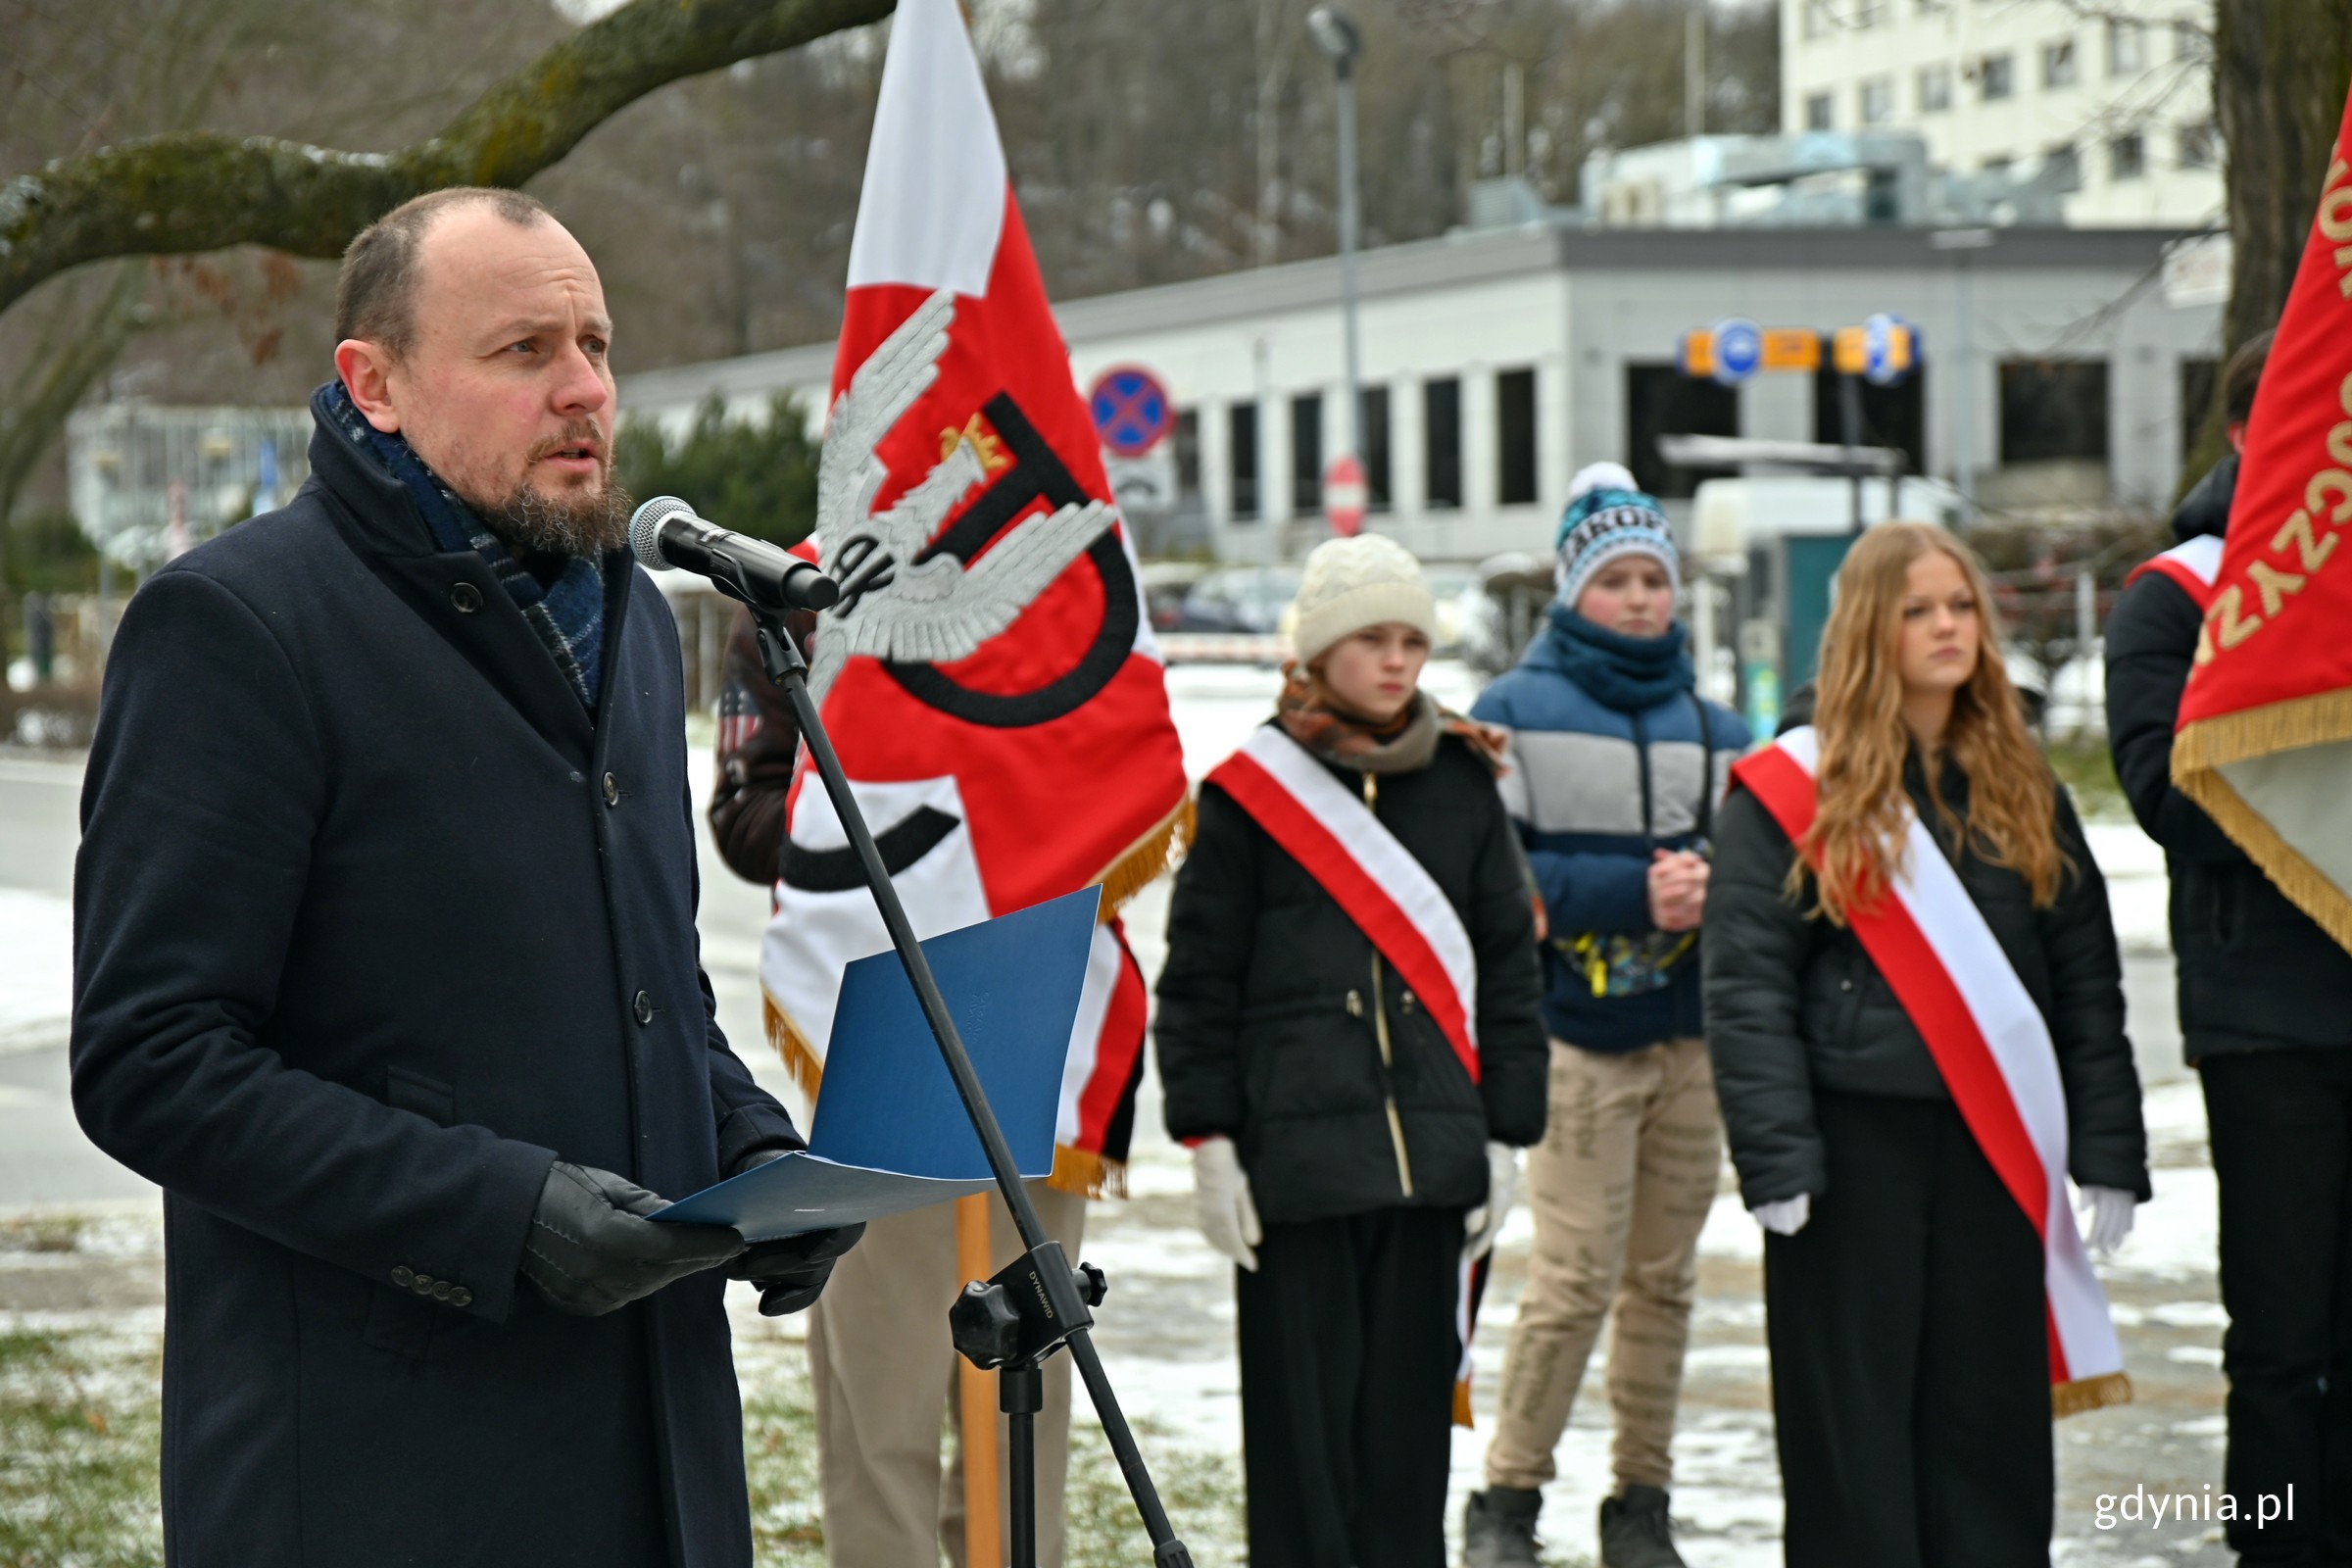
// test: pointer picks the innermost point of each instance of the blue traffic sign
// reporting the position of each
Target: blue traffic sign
(1130, 410)
(1739, 350)
(1890, 349)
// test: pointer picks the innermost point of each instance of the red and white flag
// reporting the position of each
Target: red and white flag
(989, 675)
(1992, 1048)
(2265, 742)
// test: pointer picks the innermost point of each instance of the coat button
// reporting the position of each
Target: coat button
(1356, 1005)
(461, 1296)
(441, 1290)
(644, 1008)
(404, 1276)
(1408, 1002)
(466, 598)
(1846, 985)
(423, 1285)
(612, 790)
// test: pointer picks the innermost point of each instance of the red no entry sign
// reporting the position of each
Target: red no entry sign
(1130, 410)
(1345, 495)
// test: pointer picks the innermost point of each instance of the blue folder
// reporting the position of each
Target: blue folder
(890, 1134)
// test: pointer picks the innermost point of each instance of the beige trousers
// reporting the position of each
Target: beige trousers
(1620, 1187)
(884, 1373)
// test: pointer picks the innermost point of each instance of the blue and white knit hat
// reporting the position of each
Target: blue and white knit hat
(1609, 516)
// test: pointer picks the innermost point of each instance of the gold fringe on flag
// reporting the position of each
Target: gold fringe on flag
(791, 1045)
(1148, 859)
(2090, 1394)
(1462, 1404)
(2202, 750)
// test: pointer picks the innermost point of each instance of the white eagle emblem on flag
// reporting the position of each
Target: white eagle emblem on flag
(897, 603)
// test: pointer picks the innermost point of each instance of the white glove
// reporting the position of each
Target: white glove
(1484, 1223)
(2111, 1215)
(1785, 1217)
(1222, 1200)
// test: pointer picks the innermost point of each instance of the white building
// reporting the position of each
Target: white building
(1497, 363)
(2115, 98)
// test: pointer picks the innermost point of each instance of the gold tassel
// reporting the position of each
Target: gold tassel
(2090, 1394)
(789, 1043)
(1086, 1173)
(1461, 1406)
(2203, 749)
(1148, 859)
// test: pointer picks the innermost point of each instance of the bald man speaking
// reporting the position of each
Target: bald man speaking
(385, 966)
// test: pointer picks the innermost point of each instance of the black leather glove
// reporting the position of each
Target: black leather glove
(790, 1272)
(591, 1249)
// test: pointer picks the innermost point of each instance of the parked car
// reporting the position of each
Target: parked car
(1240, 599)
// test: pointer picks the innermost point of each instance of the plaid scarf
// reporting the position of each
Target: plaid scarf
(1310, 716)
(561, 597)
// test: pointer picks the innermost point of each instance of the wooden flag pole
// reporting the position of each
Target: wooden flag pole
(976, 1398)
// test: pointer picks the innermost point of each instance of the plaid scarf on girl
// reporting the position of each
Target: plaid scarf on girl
(567, 611)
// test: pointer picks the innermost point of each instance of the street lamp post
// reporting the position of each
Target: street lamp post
(1337, 38)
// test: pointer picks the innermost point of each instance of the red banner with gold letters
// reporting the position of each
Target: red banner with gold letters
(2265, 742)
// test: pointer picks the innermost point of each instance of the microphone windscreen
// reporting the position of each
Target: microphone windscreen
(645, 529)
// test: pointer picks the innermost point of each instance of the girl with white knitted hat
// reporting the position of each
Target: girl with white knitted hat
(1350, 1041)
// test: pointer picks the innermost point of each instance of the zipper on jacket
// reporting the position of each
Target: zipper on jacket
(1380, 1030)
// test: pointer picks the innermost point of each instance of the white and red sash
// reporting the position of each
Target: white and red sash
(1328, 830)
(2194, 566)
(1994, 1048)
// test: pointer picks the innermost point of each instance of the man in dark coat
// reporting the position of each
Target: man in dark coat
(386, 967)
(2264, 996)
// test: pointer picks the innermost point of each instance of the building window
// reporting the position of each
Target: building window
(1869, 13)
(1241, 446)
(2191, 43)
(1441, 441)
(2054, 410)
(1188, 454)
(2201, 146)
(1515, 437)
(2064, 167)
(1660, 400)
(1929, 8)
(1376, 449)
(1877, 100)
(1819, 22)
(1307, 455)
(1996, 78)
(1935, 89)
(1997, 166)
(2127, 47)
(1819, 115)
(2058, 64)
(2127, 157)
(1891, 416)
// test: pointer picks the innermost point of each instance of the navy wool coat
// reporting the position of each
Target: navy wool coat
(373, 922)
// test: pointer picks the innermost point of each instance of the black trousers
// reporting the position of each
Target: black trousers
(1910, 1353)
(2282, 1130)
(1349, 1351)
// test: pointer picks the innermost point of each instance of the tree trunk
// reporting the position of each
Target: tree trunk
(199, 191)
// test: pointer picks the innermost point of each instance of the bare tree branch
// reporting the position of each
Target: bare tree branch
(200, 191)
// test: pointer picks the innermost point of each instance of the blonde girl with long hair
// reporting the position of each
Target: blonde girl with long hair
(1906, 1313)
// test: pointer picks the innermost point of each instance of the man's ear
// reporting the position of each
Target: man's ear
(366, 371)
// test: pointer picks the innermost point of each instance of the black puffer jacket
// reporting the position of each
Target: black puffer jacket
(1272, 1000)
(2255, 972)
(1794, 1003)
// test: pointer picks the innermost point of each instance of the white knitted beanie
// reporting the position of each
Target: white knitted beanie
(1349, 584)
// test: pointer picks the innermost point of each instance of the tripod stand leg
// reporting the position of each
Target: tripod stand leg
(1021, 1394)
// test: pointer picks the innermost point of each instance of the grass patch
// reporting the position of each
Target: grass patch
(80, 1435)
(2086, 767)
(43, 1233)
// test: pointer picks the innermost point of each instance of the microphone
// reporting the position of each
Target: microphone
(666, 533)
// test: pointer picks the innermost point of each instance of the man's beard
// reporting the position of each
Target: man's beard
(584, 522)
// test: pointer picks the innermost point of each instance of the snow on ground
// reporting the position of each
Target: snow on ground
(37, 969)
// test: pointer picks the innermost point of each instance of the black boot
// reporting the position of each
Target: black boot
(1633, 1533)
(1498, 1528)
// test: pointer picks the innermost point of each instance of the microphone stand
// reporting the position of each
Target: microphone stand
(1013, 1323)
